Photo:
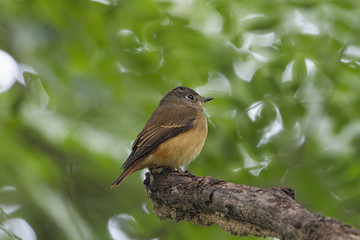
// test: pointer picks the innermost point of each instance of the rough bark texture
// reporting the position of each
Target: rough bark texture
(239, 209)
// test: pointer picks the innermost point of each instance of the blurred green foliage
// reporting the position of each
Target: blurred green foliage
(284, 74)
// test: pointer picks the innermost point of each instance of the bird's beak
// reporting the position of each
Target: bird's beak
(206, 99)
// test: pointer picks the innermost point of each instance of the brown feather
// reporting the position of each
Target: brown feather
(125, 174)
(166, 139)
(158, 129)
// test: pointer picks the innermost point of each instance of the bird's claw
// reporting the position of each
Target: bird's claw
(183, 173)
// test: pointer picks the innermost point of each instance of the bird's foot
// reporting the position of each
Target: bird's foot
(157, 170)
(183, 173)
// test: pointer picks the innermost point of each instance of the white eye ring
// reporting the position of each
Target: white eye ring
(191, 97)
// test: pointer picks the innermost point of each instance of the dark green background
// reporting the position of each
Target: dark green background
(101, 70)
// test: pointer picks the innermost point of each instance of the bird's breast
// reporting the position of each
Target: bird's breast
(181, 149)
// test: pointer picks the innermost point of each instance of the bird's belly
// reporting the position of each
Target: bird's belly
(179, 150)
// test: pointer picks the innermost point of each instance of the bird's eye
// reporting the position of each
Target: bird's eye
(191, 97)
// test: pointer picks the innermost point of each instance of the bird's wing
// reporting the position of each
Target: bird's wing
(157, 132)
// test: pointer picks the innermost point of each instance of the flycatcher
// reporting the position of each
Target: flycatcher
(173, 136)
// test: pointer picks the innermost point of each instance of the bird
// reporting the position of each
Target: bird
(173, 136)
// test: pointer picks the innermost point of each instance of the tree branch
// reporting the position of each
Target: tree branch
(239, 209)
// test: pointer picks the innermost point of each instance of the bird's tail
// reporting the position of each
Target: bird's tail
(129, 170)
